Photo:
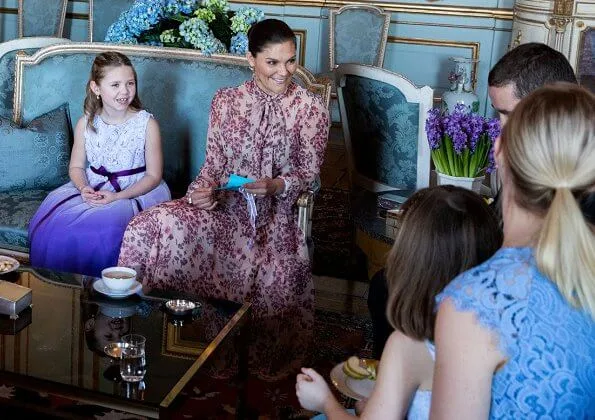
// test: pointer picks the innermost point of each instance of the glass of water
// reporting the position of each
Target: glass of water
(133, 364)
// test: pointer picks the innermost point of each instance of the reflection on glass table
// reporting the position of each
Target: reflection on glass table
(62, 349)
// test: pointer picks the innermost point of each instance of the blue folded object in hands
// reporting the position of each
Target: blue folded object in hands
(235, 182)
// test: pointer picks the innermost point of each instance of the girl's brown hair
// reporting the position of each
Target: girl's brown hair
(548, 149)
(445, 231)
(100, 66)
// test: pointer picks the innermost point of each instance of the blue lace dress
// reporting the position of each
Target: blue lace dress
(550, 345)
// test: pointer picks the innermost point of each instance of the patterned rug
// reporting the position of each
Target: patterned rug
(335, 253)
(338, 336)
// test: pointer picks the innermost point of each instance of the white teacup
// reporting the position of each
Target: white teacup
(118, 278)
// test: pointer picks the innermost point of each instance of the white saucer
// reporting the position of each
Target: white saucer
(100, 287)
(15, 263)
(358, 389)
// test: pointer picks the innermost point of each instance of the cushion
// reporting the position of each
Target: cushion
(16, 210)
(35, 156)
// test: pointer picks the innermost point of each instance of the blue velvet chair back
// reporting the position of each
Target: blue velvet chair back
(358, 34)
(8, 51)
(175, 85)
(41, 17)
(383, 116)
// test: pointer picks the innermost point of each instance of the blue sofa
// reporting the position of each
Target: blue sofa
(176, 85)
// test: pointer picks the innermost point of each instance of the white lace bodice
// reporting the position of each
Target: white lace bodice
(116, 147)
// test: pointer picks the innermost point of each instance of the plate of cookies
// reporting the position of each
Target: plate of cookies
(8, 264)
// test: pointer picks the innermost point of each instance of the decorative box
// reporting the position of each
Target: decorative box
(14, 298)
(10, 326)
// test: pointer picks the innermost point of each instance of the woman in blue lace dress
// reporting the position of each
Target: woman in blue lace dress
(515, 336)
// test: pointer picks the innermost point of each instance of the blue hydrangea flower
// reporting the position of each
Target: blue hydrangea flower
(196, 15)
(169, 36)
(214, 5)
(197, 33)
(244, 18)
(175, 7)
(239, 44)
(205, 14)
(118, 32)
(143, 16)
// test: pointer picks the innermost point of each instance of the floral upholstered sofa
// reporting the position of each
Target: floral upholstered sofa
(175, 85)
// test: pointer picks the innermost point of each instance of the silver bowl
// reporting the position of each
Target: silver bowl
(181, 307)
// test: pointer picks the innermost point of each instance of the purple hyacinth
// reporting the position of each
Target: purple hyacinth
(474, 126)
(453, 124)
(434, 128)
(493, 129)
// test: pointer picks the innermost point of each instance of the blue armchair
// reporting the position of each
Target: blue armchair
(358, 34)
(383, 116)
(41, 17)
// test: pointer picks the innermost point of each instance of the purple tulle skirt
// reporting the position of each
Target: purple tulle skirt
(69, 235)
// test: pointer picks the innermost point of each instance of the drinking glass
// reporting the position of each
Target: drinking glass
(133, 363)
(133, 390)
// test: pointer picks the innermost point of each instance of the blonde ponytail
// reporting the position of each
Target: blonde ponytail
(548, 146)
(565, 251)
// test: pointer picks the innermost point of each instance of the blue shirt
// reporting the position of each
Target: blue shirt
(549, 344)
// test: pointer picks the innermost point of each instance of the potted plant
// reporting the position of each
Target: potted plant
(461, 144)
(206, 25)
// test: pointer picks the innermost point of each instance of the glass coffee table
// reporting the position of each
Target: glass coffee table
(58, 345)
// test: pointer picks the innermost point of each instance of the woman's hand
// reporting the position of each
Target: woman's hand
(203, 198)
(265, 186)
(312, 390)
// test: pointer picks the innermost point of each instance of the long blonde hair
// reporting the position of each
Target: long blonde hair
(548, 146)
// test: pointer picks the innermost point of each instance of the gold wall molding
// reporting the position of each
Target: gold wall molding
(301, 34)
(446, 25)
(426, 9)
(462, 11)
(473, 46)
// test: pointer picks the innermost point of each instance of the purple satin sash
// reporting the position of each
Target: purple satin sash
(112, 177)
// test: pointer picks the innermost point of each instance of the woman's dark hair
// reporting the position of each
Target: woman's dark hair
(268, 31)
(445, 231)
(100, 66)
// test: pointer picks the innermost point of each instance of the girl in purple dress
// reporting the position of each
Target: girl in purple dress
(115, 172)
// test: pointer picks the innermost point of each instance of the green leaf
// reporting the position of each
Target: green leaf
(447, 144)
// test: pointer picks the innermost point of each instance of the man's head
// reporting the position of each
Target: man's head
(522, 70)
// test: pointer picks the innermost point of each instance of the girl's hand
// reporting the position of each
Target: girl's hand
(89, 194)
(312, 390)
(103, 198)
(265, 186)
(203, 198)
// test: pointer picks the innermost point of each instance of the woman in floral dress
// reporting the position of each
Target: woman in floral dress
(270, 130)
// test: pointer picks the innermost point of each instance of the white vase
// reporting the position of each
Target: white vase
(473, 184)
(461, 87)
